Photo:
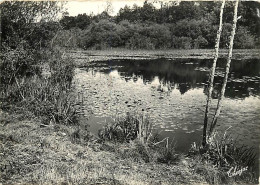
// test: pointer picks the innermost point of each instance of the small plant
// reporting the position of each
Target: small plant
(131, 127)
(225, 151)
(136, 152)
(80, 136)
(167, 153)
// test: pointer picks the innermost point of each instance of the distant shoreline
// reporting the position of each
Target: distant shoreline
(83, 56)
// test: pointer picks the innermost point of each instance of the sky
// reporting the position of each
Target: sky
(97, 6)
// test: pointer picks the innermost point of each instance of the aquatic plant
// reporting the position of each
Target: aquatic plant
(132, 126)
(136, 130)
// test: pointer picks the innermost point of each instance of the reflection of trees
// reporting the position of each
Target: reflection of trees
(182, 73)
(243, 79)
(168, 72)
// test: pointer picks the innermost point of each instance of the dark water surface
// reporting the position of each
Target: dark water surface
(172, 93)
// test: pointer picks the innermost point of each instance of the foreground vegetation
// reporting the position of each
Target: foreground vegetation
(58, 154)
(33, 153)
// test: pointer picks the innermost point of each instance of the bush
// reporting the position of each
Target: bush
(102, 35)
(243, 39)
(225, 35)
(159, 35)
(68, 38)
(200, 43)
(26, 47)
(182, 42)
(138, 41)
(16, 64)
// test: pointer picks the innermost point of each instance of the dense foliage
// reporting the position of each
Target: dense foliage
(186, 25)
(35, 76)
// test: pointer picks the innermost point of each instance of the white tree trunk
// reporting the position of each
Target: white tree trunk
(220, 100)
(212, 75)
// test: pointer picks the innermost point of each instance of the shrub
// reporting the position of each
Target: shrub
(159, 34)
(102, 35)
(200, 43)
(182, 42)
(27, 46)
(225, 35)
(68, 38)
(138, 41)
(243, 39)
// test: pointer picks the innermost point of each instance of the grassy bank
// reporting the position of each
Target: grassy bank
(84, 56)
(33, 153)
(55, 154)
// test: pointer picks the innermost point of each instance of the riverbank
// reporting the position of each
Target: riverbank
(34, 153)
(83, 56)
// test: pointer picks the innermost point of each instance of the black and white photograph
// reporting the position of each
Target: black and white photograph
(129, 92)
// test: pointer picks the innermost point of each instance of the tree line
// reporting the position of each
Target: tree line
(188, 25)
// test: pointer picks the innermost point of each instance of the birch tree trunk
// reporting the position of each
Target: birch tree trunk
(220, 100)
(212, 74)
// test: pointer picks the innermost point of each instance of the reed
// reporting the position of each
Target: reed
(223, 152)
(124, 129)
(166, 151)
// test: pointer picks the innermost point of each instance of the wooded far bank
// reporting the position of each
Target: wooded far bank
(190, 25)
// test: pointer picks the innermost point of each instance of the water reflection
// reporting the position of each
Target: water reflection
(173, 94)
(186, 74)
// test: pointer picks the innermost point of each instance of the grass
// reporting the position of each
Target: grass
(32, 154)
(48, 97)
(223, 154)
(136, 129)
(213, 164)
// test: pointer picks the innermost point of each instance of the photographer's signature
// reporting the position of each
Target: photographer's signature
(234, 171)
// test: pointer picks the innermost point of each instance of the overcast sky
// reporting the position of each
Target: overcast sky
(97, 6)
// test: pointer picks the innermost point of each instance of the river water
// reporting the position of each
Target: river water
(173, 94)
